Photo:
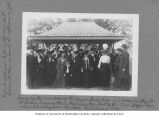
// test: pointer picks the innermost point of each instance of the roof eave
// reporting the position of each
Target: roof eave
(76, 37)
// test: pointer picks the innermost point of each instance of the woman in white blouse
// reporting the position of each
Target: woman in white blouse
(105, 69)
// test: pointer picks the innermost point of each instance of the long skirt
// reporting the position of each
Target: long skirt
(105, 75)
(76, 80)
(59, 80)
(93, 79)
(85, 78)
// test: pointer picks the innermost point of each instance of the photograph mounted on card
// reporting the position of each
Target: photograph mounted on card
(89, 54)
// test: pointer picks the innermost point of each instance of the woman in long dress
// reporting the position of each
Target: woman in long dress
(61, 67)
(105, 69)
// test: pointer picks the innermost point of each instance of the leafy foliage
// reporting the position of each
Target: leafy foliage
(36, 27)
(117, 26)
(122, 27)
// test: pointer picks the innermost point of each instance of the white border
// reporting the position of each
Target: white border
(80, 113)
(39, 15)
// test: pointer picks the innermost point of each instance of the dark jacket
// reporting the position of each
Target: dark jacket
(122, 66)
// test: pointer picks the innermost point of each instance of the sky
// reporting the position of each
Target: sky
(64, 16)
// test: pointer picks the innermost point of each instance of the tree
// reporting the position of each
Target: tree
(32, 26)
(42, 25)
(122, 27)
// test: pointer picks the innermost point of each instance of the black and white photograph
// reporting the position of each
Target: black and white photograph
(93, 54)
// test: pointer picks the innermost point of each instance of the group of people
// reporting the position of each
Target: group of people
(78, 69)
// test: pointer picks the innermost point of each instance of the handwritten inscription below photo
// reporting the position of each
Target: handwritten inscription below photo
(79, 54)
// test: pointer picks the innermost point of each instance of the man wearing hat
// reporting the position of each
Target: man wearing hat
(68, 74)
(122, 68)
(93, 59)
(50, 69)
(85, 67)
(76, 69)
(31, 68)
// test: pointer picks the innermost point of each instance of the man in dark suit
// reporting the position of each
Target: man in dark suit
(68, 74)
(76, 69)
(85, 70)
(122, 69)
(93, 59)
(31, 68)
